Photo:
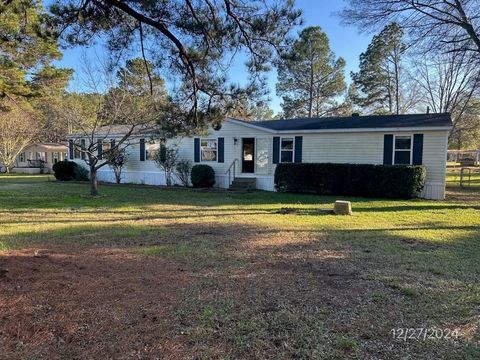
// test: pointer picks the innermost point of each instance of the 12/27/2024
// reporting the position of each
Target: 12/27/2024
(432, 333)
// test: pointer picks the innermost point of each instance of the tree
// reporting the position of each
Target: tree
(448, 83)
(27, 46)
(310, 78)
(183, 169)
(96, 117)
(249, 110)
(28, 81)
(116, 159)
(193, 40)
(436, 25)
(380, 80)
(166, 159)
(18, 127)
(466, 131)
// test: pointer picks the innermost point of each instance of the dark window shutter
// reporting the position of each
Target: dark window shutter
(276, 149)
(221, 150)
(417, 149)
(387, 149)
(196, 150)
(112, 143)
(99, 148)
(82, 145)
(163, 152)
(298, 148)
(142, 149)
(70, 149)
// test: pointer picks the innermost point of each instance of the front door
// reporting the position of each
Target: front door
(248, 155)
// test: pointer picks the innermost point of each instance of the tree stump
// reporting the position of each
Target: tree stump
(342, 207)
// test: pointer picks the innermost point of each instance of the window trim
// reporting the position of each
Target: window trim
(216, 149)
(395, 148)
(280, 150)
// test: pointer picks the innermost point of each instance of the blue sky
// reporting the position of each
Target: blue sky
(344, 41)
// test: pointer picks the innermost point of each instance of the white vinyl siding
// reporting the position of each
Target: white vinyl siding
(342, 147)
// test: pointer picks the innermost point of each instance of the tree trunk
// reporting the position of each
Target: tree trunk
(310, 100)
(93, 181)
(397, 86)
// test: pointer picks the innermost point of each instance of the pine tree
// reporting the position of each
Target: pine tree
(379, 80)
(310, 78)
(27, 47)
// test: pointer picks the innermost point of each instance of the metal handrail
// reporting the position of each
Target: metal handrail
(229, 171)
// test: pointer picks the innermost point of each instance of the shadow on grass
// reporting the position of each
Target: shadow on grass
(253, 291)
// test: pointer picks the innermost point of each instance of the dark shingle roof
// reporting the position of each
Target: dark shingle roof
(358, 122)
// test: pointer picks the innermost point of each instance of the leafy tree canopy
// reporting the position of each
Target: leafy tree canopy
(194, 41)
(377, 83)
(27, 47)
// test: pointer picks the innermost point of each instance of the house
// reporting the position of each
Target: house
(241, 149)
(39, 158)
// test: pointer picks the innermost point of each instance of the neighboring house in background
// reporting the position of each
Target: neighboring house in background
(241, 149)
(39, 158)
(464, 157)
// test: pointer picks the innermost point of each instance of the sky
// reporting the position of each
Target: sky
(345, 41)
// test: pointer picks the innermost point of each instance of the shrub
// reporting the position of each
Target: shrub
(202, 176)
(68, 170)
(80, 173)
(183, 170)
(391, 181)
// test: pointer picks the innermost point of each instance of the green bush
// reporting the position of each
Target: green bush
(68, 170)
(390, 181)
(202, 176)
(80, 173)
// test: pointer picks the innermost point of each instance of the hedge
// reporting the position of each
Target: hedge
(390, 181)
(68, 170)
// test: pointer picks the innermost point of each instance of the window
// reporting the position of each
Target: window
(286, 150)
(41, 155)
(402, 154)
(55, 157)
(22, 157)
(208, 149)
(76, 150)
(151, 148)
(106, 145)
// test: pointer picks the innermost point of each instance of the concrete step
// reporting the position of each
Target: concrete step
(243, 184)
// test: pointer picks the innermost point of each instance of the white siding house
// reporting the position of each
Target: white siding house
(39, 158)
(254, 148)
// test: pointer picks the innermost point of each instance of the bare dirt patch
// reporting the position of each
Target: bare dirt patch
(88, 303)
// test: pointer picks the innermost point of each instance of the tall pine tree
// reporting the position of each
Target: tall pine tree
(310, 77)
(379, 80)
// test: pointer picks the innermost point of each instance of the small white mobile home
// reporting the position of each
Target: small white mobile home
(241, 149)
(39, 158)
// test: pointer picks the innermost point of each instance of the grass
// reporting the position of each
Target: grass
(180, 273)
(471, 179)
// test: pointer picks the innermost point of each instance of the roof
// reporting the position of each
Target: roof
(356, 122)
(118, 131)
(51, 146)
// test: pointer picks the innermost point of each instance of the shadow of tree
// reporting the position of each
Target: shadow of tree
(245, 290)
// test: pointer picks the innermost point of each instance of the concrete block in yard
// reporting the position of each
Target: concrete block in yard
(342, 207)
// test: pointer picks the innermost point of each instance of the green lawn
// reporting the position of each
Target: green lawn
(145, 272)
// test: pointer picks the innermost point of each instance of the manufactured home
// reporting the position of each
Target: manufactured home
(251, 150)
(39, 158)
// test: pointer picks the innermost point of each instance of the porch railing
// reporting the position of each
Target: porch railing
(231, 176)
